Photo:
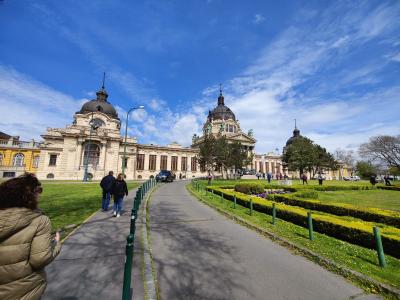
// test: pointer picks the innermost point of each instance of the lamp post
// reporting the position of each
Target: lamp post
(126, 135)
(85, 174)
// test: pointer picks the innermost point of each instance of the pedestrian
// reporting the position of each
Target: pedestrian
(258, 175)
(263, 175)
(119, 190)
(269, 176)
(209, 177)
(320, 179)
(180, 175)
(387, 180)
(26, 242)
(372, 180)
(304, 178)
(106, 185)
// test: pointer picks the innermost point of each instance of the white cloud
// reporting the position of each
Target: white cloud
(258, 19)
(29, 106)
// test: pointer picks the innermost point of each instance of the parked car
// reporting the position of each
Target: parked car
(165, 176)
(352, 178)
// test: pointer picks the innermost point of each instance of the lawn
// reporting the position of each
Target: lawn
(71, 203)
(342, 253)
(382, 199)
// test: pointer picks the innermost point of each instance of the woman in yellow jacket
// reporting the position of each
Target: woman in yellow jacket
(26, 244)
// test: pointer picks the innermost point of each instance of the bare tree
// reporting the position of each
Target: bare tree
(383, 149)
(346, 157)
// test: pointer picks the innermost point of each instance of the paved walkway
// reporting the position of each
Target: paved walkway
(199, 254)
(91, 262)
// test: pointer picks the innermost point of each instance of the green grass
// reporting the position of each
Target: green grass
(353, 257)
(67, 203)
(382, 199)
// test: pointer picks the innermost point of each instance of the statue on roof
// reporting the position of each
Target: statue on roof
(250, 133)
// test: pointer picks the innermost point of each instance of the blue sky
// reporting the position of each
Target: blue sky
(332, 65)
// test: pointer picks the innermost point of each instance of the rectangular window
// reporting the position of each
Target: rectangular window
(174, 163)
(152, 162)
(273, 168)
(125, 162)
(53, 160)
(261, 167)
(184, 164)
(140, 162)
(164, 159)
(194, 164)
(267, 167)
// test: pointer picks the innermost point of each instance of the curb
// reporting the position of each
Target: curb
(76, 227)
(322, 261)
(150, 278)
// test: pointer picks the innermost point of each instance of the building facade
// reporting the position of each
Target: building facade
(17, 157)
(93, 145)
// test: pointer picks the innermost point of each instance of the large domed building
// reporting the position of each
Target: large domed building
(93, 142)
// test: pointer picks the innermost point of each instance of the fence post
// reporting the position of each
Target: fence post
(234, 201)
(379, 247)
(273, 213)
(251, 207)
(126, 290)
(133, 222)
(310, 226)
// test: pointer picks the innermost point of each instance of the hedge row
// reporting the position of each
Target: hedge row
(390, 188)
(367, 214)
(353, 231)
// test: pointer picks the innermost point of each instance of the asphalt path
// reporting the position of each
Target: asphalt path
(91, 262)
(200, 254)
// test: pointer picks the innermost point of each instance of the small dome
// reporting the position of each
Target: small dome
(100, 104)
(221, 112)
(296, 135)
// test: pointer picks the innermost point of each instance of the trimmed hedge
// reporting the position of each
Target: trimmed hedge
(390, 188)
(387, 217)
(249, 188)
(353, 231)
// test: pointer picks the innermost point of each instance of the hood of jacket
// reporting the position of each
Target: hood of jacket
(15, 219)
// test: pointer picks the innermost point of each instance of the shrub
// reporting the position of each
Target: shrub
(249, 188)
(354, 231)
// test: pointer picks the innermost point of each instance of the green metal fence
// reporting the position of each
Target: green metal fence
(141, 192)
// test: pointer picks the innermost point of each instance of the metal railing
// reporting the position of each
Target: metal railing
(140, 195)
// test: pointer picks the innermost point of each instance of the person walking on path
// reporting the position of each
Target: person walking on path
(372, 180)
(209, 177)
(387, 180)
(320, 179)
(119, 190)
(26, 244)
(304, 178)
(269, 176)
(106, 185)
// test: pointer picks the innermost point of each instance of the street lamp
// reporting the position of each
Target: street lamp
(87, 147)
(126, 135)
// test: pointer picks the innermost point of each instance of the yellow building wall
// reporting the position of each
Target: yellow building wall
(29, 155)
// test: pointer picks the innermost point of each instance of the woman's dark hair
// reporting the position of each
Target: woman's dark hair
(19, 192)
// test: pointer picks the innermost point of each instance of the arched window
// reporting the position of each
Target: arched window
(35, 161)
(92, 154)
(18, 160)
(50, 176)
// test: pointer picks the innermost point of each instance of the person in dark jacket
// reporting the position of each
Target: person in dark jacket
(119, 190)
(26, 242)
(107, 185)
